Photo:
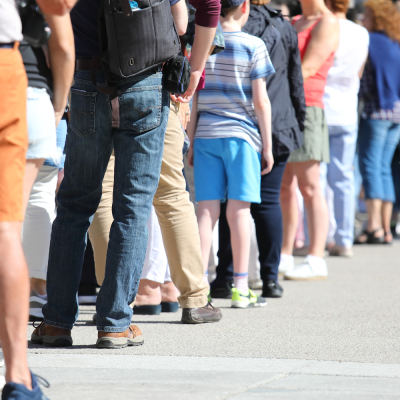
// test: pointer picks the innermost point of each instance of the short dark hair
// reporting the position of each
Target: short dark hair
(226, 9)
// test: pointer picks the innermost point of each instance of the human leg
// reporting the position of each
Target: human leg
(341, 180)
(371, 144)
(138, 147)
(221, 287)
(99, 230)
(315, 204)
(36, 233)
(314, 266)
(88, 148)
(269, 226)
(14, 278)
(207, 216)
(391, 143)
(289, 206)
(14, 300)
(177, 220)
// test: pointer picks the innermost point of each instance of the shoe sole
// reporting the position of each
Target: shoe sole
(111, 343)
(314, 278)
(118, 343)
(193, 321)
(137, 341)
(239, 304)
(52, 341)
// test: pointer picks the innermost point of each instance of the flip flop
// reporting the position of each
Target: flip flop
(169, 306)
(147, 309)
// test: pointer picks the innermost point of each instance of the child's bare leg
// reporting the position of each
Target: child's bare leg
(207, 216)
(238, 216)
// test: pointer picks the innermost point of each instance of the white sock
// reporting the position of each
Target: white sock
(286, 258)
(313, 260)
(241, 281)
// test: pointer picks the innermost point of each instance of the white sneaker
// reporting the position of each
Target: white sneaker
(312, 268)
(36, 304)
(286, 264)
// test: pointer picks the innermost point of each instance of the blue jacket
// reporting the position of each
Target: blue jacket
(285, 87)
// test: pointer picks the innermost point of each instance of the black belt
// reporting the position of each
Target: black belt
(6, 45)
(83, 64)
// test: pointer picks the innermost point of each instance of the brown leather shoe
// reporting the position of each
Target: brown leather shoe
(116, 340)
(51, 336)
(201, 315)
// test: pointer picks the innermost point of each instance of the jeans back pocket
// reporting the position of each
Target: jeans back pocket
(140, 108)
(82, 112)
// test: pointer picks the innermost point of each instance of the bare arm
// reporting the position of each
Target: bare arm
(361, 71)
(191, 128)
(55, 7)
(180, 15)
(200, 50)
(324, 41)
(62, 60)
(262, 107)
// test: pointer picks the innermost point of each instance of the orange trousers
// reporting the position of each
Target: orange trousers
(13, 133)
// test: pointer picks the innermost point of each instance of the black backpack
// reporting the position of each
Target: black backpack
(134, 41)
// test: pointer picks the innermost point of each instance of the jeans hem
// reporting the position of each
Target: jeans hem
(57, 324)
(112, 329)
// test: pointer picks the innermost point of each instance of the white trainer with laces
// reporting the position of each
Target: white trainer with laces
(286, 264)
(311, 269)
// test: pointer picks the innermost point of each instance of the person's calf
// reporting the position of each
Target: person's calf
(149, 293)
(38, 286)
(169, 293)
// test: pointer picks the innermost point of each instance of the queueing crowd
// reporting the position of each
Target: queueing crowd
(279, 106)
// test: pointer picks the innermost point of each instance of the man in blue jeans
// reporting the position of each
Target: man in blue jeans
(137, 142)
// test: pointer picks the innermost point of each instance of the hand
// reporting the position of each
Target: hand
(194, 82)
(190, 155)
(184, 114)
(58, 115)
(267, 162)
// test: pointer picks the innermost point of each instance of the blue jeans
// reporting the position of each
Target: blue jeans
(339, 175)
(138, 146)
(377, 141)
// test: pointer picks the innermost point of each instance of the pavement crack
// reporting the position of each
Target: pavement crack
(274, 378)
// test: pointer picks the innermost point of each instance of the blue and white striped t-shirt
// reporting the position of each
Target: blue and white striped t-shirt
(226, 103)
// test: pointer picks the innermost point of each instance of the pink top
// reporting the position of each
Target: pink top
(315, 86)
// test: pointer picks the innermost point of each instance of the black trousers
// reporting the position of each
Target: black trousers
(269, 229)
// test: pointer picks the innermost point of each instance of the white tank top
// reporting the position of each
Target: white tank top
(10, 23)
(343, 83)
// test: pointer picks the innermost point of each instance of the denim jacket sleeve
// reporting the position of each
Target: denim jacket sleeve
(295, 77)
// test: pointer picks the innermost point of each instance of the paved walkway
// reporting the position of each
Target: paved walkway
(334, 339)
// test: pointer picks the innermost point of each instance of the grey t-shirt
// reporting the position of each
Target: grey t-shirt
(10, 23)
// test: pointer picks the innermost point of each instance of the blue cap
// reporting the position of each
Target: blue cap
(231, 3)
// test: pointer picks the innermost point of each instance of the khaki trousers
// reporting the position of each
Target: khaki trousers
(175, 214)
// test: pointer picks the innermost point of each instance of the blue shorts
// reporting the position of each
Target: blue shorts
(227, 168)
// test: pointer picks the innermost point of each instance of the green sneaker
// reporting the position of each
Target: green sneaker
(242, 299)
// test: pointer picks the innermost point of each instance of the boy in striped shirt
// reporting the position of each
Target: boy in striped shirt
(232, 144)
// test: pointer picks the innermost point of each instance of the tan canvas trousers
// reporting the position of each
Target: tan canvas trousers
(176, 216)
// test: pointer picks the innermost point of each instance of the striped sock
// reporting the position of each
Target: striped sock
(241, 281)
